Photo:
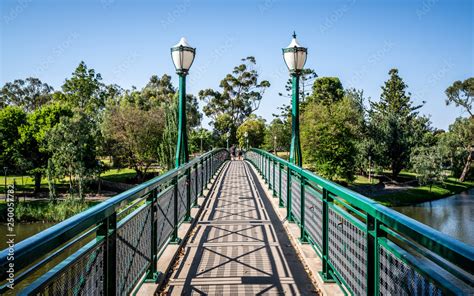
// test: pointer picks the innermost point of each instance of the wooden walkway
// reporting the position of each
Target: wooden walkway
(239, 245)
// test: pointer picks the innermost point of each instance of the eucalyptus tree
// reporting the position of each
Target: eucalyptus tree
(240, 95)
(29, 94)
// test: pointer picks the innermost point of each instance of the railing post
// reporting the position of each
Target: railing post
(303, 237)
(174, 236)
(289, 215)
(274, 191)
(326, 273)
(280, 198)
(201, 190)
(196, 188)
(268, 172)
(373, 255)
(152, 274)
(187, 217)
(108, 231)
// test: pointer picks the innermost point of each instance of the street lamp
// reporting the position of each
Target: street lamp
(183, 57)
(295, 58)
(228, 136)
(246, 134)
(275, 144)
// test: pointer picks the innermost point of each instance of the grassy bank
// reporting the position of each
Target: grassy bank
(39, 210)
(423, 193)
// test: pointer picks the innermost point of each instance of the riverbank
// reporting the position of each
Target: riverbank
(416, 195)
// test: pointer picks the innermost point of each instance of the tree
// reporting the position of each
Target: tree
(392, 121)
(73, 151)
(326, 90)
(461, 93)
(306, 81)
(200, 140)
(458, 145)
(240, 96)
(29, 94)
(136, 134)
(277, 128)
(84, 90)
(255, 128)
(34, 136)
(11, 118)
(328, 137)
(427, 163)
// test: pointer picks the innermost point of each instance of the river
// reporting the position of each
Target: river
(452, 215)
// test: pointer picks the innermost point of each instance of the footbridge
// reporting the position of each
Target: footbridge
(259, 226)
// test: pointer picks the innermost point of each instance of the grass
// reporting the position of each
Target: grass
(119, 175)
(40, 210)
(423, 193)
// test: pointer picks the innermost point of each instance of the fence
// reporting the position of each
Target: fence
(367, 248)
(114, 244)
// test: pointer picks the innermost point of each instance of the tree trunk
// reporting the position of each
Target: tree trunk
(467, 166)
(37, 183)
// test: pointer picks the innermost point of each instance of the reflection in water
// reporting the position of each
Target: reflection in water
(453, 215)
(22, 231)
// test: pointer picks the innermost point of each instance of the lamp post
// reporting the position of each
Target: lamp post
(295, 58)
(183, 57)
(228, 136)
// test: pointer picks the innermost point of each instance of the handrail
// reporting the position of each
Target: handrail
(363, 245)
(49, 239)
(456, 251)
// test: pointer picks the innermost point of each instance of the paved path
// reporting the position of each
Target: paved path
(239, 245)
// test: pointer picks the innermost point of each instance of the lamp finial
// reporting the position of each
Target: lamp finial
(294, 34)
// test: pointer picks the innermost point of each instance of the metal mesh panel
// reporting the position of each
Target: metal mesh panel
(296, 197)
(270, 176)
(314, 216)
(347, 251)
(133, 249)
(181, 198)
(399, 278)
(165, 212)
(283, 185)
(85, 276)
(277, 180)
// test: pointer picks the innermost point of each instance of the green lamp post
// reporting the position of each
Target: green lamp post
(246, 134)
(183, 57)
(295, 58)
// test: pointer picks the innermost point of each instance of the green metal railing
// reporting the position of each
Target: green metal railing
(114, 245)
(367, 248)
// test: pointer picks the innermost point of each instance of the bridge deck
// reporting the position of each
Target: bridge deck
(239, 245)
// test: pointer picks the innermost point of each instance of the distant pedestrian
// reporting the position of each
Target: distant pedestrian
(232, 152)
(240, 154)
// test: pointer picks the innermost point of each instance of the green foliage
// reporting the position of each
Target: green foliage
(167, 147)
(427, 163)
(255, 128)
(54, 211)
(461, 93)
(282, 131)
(200, 140)
(72, 144)
(328, 136)
(326, 90)
(394, 124)
(84, 90)
(11, 118)
(29, 94)
(240, 96)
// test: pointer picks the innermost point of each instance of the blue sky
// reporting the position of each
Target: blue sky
(431, 42)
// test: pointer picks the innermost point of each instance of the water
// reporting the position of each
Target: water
(452, 215)
(22, 231)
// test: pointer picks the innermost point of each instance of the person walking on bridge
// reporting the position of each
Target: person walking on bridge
(232, 152)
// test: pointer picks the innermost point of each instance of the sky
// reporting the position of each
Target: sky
(431, 42)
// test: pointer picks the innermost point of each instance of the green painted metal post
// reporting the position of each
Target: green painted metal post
(182, 155)
(295, 150)
(201, 190)
(326, 273)
(280, 198)
(187, 217)
(152, 274)
(373, 255)
(108, 231)
(303, 237)
(274, 186)
(268, 172)
(196, 188)
(174, 236)
(289, 215)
